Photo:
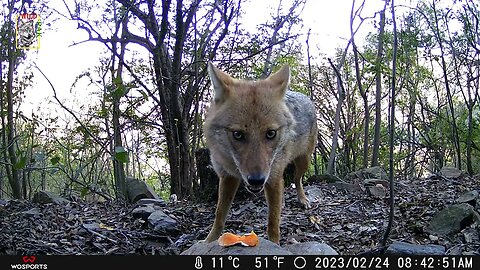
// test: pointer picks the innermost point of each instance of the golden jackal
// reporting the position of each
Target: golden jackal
(254, 129)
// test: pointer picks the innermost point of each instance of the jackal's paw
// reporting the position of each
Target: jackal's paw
(305, 203)
(213, 236)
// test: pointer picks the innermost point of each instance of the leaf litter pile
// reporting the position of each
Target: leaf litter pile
(346, 217)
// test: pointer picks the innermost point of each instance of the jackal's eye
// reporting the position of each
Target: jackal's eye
(238, 135)
(271, 134)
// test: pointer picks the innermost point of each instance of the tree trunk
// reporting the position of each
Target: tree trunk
(117, 83)
(378, 92)
(341, 97)
(14, 179)
(456, 140)
(310, 88)
(363, 93)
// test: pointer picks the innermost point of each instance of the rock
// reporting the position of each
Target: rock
(469, 197)
(3, 202)
(264, 247)
(311, 248)
(161, 222)
(94, 226)
(373, 182)
(433, 238)
(375, 172)
(137, 190)
(48, 197)
(143, 211)
(471, 235)
(352, 188)
(328, 178)
(402, 248)
(378, 191)
(313, 193)
(451, 172)
(451, 220)
(156, 203)
(32, 212)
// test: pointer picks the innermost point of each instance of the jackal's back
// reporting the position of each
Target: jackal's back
(305, 127)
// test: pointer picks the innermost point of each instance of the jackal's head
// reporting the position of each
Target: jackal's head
(248, 126)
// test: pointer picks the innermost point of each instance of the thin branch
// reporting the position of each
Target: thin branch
(102, 144)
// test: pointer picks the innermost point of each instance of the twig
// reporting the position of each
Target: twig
(72, 113)
(99, 234)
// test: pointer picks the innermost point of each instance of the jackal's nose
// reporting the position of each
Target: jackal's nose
(256, 179)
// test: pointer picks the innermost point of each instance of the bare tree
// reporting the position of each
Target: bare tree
(280, 21)
(378, 89)
(363, 92)
(392, 130)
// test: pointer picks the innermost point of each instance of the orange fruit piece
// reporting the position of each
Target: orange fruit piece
(229, 239)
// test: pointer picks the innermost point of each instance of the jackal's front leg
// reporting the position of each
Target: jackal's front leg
(274, 195)
(226, 193)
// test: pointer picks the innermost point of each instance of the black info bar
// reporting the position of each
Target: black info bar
(232, 262)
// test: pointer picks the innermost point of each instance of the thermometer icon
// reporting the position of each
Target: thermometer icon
(198, 262)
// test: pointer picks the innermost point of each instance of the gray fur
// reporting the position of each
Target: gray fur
(303, 111)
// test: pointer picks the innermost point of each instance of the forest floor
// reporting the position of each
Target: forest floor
(352, 222)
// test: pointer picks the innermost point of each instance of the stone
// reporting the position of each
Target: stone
(143, 211)
(375, 172)
(451, 220)
(264, 247)
(373, 182)
(155, 202)
(327, 178)
(378, 191)
(451, 172)
(137, 190)
(313, 193)
(402, 248)
(311, 248)
(469, 197)
(161, 222)
(45, 197)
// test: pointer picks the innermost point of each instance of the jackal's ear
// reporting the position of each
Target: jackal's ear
(221, 83)
(280, 80)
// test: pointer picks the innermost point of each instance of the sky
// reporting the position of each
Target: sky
(61, 62)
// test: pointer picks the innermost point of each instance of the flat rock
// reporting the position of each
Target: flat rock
(264, 247)
(402, 248)
(311, 248)
(469, 197)
(143, 211)
(451, 172)
(157, 203)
